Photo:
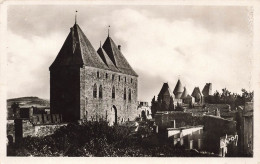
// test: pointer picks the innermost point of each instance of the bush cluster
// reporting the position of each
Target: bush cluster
(93, 139)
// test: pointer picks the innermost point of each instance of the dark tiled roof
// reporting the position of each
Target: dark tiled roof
(117, 57)
(77, 50)
(196, 92)
(107, 60)
(184, 93)
(178, 88)
(89, 54)
(207, 89)
(188, 96)
(68, 54)
(165, 89)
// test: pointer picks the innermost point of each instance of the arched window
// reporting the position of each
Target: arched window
(124, 93)
(97, 74)
(100, 91)
(125, 79)
(119, 78)
(95, 91)
(106, 75)
(129, 95)
(131, 80)
(113, 92)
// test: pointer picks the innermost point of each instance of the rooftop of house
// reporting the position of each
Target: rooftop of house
(178, 88)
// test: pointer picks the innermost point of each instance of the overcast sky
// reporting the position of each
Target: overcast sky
(198, 44)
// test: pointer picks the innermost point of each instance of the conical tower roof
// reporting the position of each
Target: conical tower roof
(77, 50)
(178, 88)
(165, 90)
(196, 92)
(184, 93)
(117, 57)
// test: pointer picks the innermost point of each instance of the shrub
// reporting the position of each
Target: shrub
(93, 139)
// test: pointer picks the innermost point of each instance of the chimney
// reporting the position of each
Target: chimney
(119, 47)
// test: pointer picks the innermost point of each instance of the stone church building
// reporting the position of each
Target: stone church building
(86, 84)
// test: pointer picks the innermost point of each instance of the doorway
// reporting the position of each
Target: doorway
(115, 112)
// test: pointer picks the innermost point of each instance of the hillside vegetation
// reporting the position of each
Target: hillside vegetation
(95, 139)
(28, 102)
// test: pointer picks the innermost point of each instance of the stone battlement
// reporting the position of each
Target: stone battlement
(41, 119)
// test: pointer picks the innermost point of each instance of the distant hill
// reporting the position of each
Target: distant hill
(28, 102)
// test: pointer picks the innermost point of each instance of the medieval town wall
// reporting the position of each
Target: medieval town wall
(38, 125)
(39, 130)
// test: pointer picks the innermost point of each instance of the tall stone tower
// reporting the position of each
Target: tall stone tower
(197, 94)
(207, 90)
(178, 90)
(90, 84)
(164, 95)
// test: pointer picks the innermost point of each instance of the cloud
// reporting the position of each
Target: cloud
(28, 62)
(160, 46)
(157, 47)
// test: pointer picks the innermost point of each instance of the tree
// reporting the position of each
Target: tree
(248, 95)
(154, 107)
(225, 93)
(179, 108)
(217, 96)
(164, 106)
(244, 93)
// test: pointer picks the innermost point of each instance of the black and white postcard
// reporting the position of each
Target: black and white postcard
(173, 80)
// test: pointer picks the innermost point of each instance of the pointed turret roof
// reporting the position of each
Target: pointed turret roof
(165, 89)
(178, 88)
(196, 92)
(207, 90)
(184, 93)
(77, 50)
(117, 57)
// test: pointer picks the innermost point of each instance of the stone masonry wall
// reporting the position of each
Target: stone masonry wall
(65, 92)
(39, 130)
(103, 108)
(165, 120)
